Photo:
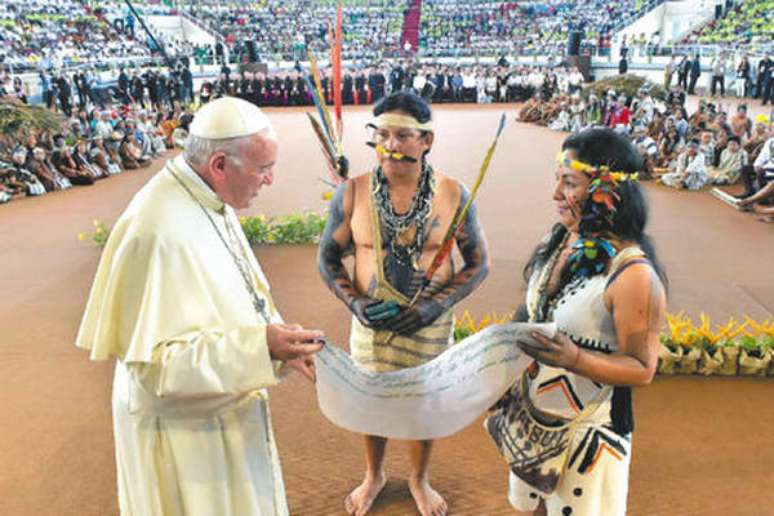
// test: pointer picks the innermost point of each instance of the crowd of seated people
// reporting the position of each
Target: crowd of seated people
(95, 144)
(748, 22)
(710, 146)
(55, 33)
(487, 27)
(284, 30)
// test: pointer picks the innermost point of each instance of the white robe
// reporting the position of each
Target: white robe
(191, 416)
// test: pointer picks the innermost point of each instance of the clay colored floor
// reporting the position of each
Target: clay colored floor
(702, 445)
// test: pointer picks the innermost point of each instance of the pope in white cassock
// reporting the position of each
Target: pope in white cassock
(180, 300)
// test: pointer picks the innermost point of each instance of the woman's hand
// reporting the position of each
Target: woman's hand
(557, 352)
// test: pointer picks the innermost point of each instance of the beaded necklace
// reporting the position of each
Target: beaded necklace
(396, 224)
(537, 309)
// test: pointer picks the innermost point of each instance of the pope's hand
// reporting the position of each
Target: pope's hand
(290, 341)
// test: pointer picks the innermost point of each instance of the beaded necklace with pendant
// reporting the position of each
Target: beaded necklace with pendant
(396, 224)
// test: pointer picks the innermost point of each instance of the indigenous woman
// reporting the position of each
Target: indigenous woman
(597, 277)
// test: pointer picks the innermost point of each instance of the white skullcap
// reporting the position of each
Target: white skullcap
(228, 117)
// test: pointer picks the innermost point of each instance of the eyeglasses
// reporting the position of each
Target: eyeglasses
(401, 135)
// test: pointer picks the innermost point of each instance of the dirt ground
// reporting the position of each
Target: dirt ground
(702, 446)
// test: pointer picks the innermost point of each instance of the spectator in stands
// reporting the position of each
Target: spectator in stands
(103, 127)
(718, 66)
(21, 174)
(131, 154)
(764, 168)
(647, 147)
(729, 168)
(741, 125)
(695, 73)
(684, 68)
(669, 148)
(103, 157)
(623, 66)
(669, 71)
(681, 124)
(64, 163)
(765, 69)
(41, 166)
(80, 153)
(707, 146)
(65, 93)
(743, 77)
(690, 170)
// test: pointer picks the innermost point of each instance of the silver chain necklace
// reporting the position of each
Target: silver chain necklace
(241, 262)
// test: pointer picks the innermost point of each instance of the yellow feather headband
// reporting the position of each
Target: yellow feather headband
(563, 159)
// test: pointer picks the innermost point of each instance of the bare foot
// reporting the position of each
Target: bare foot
(359, 501)
(428, 501)
(766, 218)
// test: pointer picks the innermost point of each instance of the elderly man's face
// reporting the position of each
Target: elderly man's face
(240, 178)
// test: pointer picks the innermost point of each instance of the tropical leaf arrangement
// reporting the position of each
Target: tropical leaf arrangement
(736, 348)
(303, 228)
(744, 348)
(466, 325)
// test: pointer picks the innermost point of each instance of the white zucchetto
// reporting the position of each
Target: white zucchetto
(228, 117)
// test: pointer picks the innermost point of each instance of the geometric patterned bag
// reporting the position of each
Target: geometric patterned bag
(535, 446)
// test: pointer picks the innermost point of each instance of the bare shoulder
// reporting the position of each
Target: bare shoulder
(353, 189)
(636, 282)
(361, 181)
(448, 188)
(357, 189)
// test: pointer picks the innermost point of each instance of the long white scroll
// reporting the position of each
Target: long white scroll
(429, 401)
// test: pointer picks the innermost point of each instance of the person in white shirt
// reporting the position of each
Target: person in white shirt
(691, 169)
(103, 128)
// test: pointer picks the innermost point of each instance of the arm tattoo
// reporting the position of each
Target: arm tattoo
(331, 251)
(473, 248)
(638, 342)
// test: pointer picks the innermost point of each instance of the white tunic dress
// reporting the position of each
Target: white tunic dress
(191, 416)
(595, 480)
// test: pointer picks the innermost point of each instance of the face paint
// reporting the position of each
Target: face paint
(573, 207)
(397, 156)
